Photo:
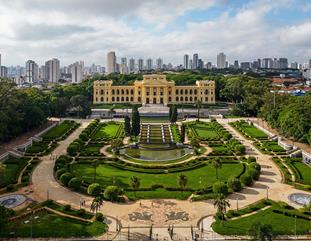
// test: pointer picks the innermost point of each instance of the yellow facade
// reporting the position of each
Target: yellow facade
(153, 89)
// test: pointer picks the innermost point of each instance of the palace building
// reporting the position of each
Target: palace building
(153, 89)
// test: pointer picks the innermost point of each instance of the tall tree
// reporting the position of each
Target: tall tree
(135, 183)
(135, 121)
(127, 125)
(217, 165)
(182, 181)
(199, 106)
(261, 232)
(221, 204)
(174, 114)
(97, 203)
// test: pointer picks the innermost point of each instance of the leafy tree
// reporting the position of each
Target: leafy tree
(5, 214)
(173, 114)
(111, 193)
(221, 204)
(217, 164)
(75, 183)
(234, 184)
(239, 149)
(97, 203)
(94, 189)
(199, 106)
(182, 181)
(135, 183)
(182, 133)
(220, 188)
(127, 126)
(261, 232)
(246, 179)
(80, 104)
(135, 121)
(65, 178)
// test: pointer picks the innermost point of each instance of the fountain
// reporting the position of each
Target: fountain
(300, 198)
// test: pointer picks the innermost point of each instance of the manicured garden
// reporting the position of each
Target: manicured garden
(301, 170)
(108, 131)
(249, 130)
(280, 216)
(59, 130)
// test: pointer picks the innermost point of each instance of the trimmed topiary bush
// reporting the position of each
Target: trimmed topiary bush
(94, 189)
(234, 184)
(99, 217)
(111, 193)
(65, 178)
(220, 187)
(255, 166)
(75, 183)
(254, 173)
(239, 149)
(60, 172)
(246, 179)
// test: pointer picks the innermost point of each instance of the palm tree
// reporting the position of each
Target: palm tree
(182, 181)
(221, 203)
(217, 165)
(95, 164)
(97, 203)
(135, 183)
(199, 106)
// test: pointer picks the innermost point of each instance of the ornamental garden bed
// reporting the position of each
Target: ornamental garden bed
(301, 170)
(108, 131)
(280, 216)
(60, 131)
(249, 131)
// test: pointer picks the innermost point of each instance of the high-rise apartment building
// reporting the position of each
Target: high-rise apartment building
(149, 64)
(52, 70)
(309, 63)
(3, 71)
(111, 62)
(283, 63)
(236, 64)
(221, 61)
(267, 63)
(0, 65)
(159, 63)
(140, 64)
(32, 72)
(186, 61)
(76, 71)
(132, 65)
(200, 64)
(294, 65)
(123, 67)
(195, 61)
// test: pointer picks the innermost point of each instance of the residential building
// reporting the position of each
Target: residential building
(221, 61)
(123, 67)
(294, 65)
(159, 63)
(267, 63)
(200, 64)
(32, 72)
(186, 61)
(153, 89)
(140, 64)
(3, 71)
(76, 71)
(52, 70)
(111, 62)
(149, 64)
(246, 65)
(132, 65)
(236, 64)
(283, 63)
(309, 62)
(195, 61)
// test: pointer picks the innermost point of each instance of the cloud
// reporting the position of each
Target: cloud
(73, 29)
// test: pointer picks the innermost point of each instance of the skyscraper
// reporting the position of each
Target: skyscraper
(283, 63)
(309, 62)
(267, 63)
(0, 65)
(123, 67)
(132, 65)
(76, 71)
(159, 63)
(32, 71)
(236, 64)
(52, 70)
(195, 61)
(111, 62)
(149, 64)
(186, 61)
(200, 64)
(221, 61)
(140, 64)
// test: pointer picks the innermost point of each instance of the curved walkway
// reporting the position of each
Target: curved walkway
(270, 183)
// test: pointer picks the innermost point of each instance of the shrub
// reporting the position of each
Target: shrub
(251, 159)
(255, 166)
(220, 187)
(246, 179)
(72, 149)
(81, 212)
(67, 207)
(65, 178)
(94, 189)
(254, 173)
(10, 187)
(111, 193)
(234, 184)
(83, 136)
(239, 149)
(60, 172)
(75, 183)
(99, 217)
(227, 136)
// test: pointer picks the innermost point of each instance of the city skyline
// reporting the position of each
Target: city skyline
(71, 31)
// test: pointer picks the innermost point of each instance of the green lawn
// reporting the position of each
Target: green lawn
(13, 167)
(205, 131)
(272, 146)
(282, 224)
(91, 150)
(108, 130)
(58, 131)
(37, 147)
(52, 225)
(305, 171)
(251, 130)
(109, 175)
(175, 132)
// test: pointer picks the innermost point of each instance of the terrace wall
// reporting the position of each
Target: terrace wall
(306, 157)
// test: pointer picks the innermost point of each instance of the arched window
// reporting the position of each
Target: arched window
(127, 91)
(113, 92)
(132, 92)
(190, 92)
(122, 92)
(190, 98)
(118, 92)
(186, 91)
(122, 98)
(101, 92)
(186, 98)
(181, 92)
(177, 98)
(118, 99)
(112, 98)
(195, 92)
(127, 98)
(102, 99)
(177, 92)
(132, 99)
(206, 92)
(181, 98)
(169, 99)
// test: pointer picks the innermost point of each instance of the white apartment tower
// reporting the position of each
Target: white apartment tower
(52, 70)
(186, 61)
(76, 71)
(32, 71)
(111, 62)
(132, 65)
(221, 61)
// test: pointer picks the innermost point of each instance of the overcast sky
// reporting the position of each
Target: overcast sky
(73, 30)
